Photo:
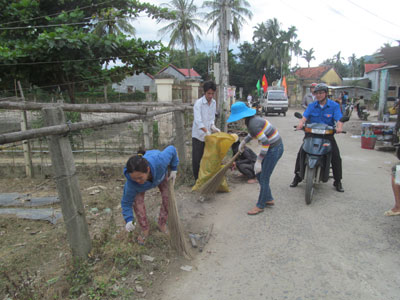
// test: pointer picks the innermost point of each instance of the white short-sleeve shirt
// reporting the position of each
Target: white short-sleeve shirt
(204, 116)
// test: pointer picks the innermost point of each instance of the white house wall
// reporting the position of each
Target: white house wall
(138, 82)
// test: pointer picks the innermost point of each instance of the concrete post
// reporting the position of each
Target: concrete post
(383, 93)
(195, 90)
(68, 187)
(180, 137)
(146, 134)
(164, 89)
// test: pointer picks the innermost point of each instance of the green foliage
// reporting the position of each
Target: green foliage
(70, 57)
(79, 277)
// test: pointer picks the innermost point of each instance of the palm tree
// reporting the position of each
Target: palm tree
(308, 55)
(184, 29)
(353, 64)
(112, 21)
(238, 12)
(275, 45)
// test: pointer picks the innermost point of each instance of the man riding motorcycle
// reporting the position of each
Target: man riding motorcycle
(325, 111)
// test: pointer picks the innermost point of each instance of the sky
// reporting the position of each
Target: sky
(357, 27)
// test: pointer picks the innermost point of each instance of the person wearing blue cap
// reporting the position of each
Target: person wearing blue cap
(271, 151)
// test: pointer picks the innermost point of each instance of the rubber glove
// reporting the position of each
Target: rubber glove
(242, 146)
(130, 226)
(257, 166)
(207, 133)
(172, 176)
(215, 129)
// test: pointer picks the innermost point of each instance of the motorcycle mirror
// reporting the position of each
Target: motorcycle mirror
(298, 115)
(344, 119)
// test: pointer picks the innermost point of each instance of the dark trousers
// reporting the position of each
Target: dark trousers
(246, 168)
(336, 160)
(197, 154)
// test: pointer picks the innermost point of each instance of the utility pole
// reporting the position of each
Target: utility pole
(224, 72)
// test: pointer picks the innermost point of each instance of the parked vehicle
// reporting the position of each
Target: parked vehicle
(348, 110)
(275, 101)
(315, 164)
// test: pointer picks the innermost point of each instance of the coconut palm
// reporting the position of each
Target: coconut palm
(184, 29)
(112, 21)
(275, 45)
(238, 11)
(308, 55)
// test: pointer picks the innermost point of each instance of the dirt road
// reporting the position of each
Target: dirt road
(339, 247)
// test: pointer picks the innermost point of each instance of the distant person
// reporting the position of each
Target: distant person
(345, 99)
(249, 100)
(309, 97)
(144, 171)
(204, 110)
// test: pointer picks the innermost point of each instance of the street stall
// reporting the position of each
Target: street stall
(377, 135)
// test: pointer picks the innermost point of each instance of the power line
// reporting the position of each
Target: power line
(51, 25)
(63, 61)
(371, 13)
(59, 84)
(51, 15)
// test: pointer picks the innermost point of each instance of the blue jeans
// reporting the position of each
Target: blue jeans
(268, 164)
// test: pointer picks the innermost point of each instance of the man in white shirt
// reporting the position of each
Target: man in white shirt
(204, 111)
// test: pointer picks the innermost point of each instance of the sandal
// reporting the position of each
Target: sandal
(391, 213)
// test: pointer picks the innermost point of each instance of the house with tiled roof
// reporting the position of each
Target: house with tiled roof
(372, 72)
(299, 83)
(143, 82)
(180, 74)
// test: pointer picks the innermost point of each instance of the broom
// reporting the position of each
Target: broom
(177, 235)
(212, 185)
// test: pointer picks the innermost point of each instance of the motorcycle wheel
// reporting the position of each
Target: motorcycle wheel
(310, 175)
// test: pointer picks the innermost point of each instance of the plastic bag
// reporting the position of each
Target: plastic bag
(216, 147)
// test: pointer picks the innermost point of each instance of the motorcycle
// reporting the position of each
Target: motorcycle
(362, 112)
(315, 161)
(348, 110)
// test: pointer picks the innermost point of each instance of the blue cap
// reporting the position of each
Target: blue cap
(239, 110)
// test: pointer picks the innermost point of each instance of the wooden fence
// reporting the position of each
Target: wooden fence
(57, 129)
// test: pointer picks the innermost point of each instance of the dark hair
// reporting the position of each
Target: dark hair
(209, 85)
(137, 163)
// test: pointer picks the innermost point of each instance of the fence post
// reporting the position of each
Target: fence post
(146, 134)
(180, 136)
(68, 186)
(26, 146)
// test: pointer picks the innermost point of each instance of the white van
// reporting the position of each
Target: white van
(275, 101)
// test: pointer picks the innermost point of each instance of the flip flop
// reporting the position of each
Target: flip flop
(270, 204)
(391, 213)
(253, 213)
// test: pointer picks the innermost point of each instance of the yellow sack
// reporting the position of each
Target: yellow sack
(392, 111)
(216, 147)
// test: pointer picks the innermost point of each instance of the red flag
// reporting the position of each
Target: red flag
(284, 84)
(264, 83)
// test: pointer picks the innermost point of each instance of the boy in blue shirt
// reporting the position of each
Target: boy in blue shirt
(327, 112)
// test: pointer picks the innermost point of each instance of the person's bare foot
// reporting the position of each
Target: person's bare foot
(163, 228)
(251, 181)
(255, 211)
(142, 236)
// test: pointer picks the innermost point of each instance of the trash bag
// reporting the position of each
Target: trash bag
(216, 147)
